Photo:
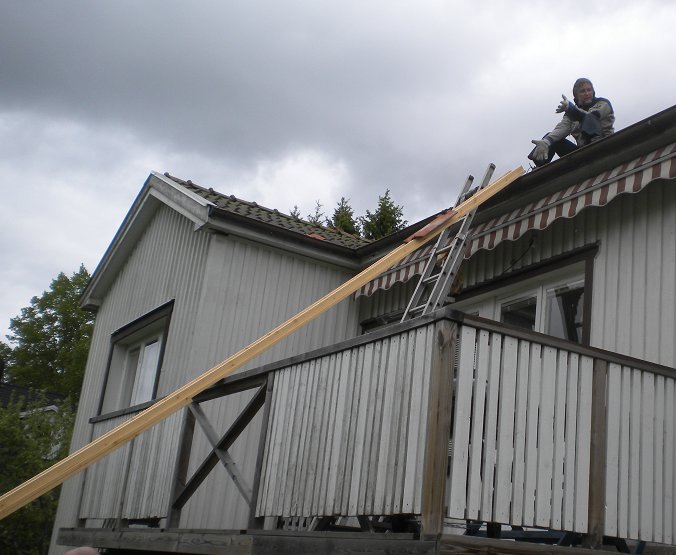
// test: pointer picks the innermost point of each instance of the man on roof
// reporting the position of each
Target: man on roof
(588, 119)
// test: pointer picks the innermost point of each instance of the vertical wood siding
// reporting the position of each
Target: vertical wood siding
(227, 293)
(167, 263)
(640, 466)
(521, 433)
(347, 431)
(103, 484)
(633, 304)
(247, 291)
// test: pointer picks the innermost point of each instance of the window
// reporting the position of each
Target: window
(551, 303)
(565, 307)
(135, 361)
(521, 313)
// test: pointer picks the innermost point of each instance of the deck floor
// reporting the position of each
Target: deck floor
(278, 542)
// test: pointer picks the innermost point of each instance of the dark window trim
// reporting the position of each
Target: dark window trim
(163, 311)
(584, 254)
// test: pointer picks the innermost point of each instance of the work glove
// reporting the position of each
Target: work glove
(563, 105)
(541, 151)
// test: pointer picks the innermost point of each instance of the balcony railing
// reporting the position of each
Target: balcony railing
(544, 433)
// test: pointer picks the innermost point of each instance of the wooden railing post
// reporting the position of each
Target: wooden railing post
(439, 411)
(253, 521)
(597, 468)
(181, 469)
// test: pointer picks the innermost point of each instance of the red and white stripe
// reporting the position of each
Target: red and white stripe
(630, 177)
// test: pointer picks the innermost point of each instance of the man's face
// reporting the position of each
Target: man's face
(585, 94)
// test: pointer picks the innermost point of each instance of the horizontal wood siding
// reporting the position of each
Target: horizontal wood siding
(640, 455)
(521, 433)
(347, 431)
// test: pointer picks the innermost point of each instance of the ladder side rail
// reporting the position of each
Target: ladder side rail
(432, 258)
(427, 272)
(453, 261)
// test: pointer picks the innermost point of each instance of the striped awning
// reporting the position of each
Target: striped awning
(630, 177)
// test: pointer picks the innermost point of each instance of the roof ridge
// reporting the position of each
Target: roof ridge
(339, 236)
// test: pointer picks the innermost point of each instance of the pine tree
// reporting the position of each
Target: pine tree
(387, 219)
(318, 216)
(295, 212)
(343, 218)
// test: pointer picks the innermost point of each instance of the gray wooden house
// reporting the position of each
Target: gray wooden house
(552, 373)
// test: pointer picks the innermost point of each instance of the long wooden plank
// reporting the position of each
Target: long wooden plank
(646, 457)
(560, 402)
(490, 430)
(463, 405)
(571, 435)
(659, 448)
(613, 449)
(582, 460)
(534, 379)
(505, 435)
(474, 491)
(668, 457)
(518, 485)
(81, 459)
(543, 492)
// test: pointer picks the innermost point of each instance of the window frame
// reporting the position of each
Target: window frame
(149, 328)
(487, 301)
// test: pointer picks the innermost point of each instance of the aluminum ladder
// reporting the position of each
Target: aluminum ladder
(434, 286)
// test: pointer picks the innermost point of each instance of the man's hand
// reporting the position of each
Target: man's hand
(563, 105)
(541, 151)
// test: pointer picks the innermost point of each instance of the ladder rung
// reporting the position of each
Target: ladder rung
(431, 278)
(416, 308)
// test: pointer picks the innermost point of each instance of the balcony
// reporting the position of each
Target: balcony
(437, 426)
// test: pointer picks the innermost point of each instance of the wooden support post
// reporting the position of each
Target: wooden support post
(597, 470)
(97, 449)
(181, 469)
(439, 412)
(253, 521)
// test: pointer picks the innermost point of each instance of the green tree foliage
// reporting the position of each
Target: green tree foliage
(343, 218)
(387, 219)
(51, 339)
(5, 354)
(295, 212)
(31, 439)
(318, 216)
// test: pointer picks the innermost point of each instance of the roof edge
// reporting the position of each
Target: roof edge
(156, 190)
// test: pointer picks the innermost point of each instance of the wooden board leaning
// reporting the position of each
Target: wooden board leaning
(90, 453)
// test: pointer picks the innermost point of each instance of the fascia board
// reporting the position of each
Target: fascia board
(156, 191)
(185, 202)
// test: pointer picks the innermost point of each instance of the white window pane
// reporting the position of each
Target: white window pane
(146, 373)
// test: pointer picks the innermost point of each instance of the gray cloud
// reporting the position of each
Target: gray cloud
(399, 95)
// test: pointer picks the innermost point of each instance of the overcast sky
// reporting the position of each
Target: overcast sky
(286, 103)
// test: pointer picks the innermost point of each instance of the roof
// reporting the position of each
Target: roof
(624, 163)
(233, 206)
